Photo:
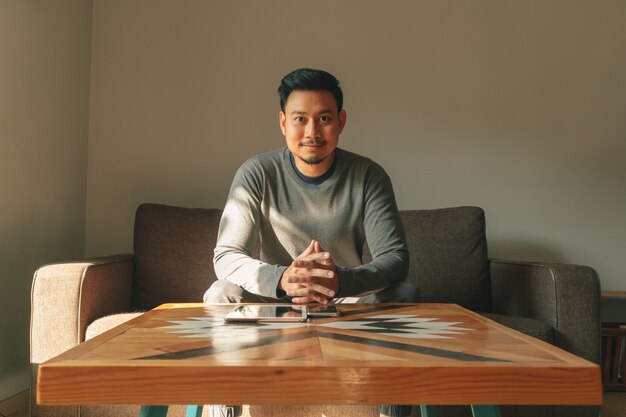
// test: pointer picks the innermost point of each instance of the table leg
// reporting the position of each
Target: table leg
(477, 411)
(153, 411)
(194, 411)
(428, 410)
(486, 411)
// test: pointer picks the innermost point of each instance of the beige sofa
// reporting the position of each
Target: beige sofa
(172, 262)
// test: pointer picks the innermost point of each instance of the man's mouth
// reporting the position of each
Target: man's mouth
(315, 144)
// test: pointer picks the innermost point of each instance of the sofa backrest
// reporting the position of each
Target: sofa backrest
(174, 255)
(449, 261)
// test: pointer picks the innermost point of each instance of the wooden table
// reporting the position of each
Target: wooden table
(434, 354)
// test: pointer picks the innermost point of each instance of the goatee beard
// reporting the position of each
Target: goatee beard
(313, 161)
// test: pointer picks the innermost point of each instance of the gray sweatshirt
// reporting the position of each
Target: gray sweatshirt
(272, 211)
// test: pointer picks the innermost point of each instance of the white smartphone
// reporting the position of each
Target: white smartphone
(323, 310)
(267, 312)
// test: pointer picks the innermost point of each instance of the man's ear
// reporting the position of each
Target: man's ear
(342, 120)
(282, 120)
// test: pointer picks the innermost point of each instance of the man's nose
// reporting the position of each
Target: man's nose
(312, 129)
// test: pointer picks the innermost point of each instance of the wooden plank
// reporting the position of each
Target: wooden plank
(613, 294)
(350, 385)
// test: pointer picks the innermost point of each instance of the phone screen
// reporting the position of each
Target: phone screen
(255, 312)
(323, 310)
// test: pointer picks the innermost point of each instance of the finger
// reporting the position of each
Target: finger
(298, 292)
(317, 257)
(311, 290)
(312, 298)
(302, 263)
(306, 275)
(318, 247)
(321, 290)
(308, 264)
(328, 260)
(301, 300)
(311, 275)
(309, 297)
(322, 299)
(303, 268)
(309, 250)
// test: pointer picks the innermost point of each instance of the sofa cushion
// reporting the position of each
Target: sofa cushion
(448, 250)
(173, 254)
(531, 327)
(106, 323)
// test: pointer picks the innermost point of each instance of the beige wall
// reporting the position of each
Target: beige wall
(514, 106)
(44, 98)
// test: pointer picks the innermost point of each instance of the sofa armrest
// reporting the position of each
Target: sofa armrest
(565, 296)
(67, 297)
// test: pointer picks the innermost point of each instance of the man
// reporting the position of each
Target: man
(307, 210)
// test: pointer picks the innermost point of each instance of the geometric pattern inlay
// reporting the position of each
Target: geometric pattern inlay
(227, 337)
(398, 325)
(401, 325)
(216, 327)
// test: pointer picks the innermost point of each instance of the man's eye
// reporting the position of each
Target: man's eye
(324, 118)
(299, 119)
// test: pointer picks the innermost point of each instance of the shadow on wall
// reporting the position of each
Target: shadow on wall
(524, 251)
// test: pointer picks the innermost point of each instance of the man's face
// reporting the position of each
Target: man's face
(312, 125)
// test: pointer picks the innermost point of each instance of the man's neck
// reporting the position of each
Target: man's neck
(317, 179)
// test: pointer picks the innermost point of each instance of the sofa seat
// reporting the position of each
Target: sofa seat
(531, 327)
(107, 323)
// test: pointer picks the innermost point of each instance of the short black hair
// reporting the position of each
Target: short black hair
(311, 80)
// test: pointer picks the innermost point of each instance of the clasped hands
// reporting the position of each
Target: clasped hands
(311, 277)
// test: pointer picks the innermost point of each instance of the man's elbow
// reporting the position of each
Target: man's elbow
(404, 261)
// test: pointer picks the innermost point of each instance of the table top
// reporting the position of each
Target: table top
(432, 354)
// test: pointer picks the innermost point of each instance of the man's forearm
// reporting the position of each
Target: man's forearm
(251, 274)
(374, 276)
